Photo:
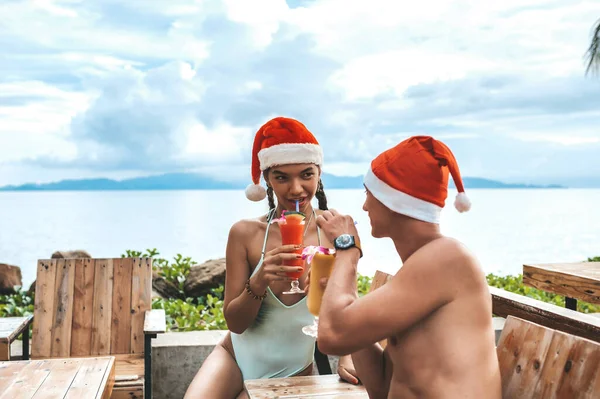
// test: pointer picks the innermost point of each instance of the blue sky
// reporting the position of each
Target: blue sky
(119, 89)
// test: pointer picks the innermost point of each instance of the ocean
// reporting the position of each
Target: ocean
(505, 227)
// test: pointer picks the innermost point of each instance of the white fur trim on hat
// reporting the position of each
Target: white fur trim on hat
(462, 203)
(255, 192)
(401, 202)
(285, 154)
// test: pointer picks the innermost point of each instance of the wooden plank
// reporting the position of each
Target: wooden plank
(130, 365)
(155, 321)
(108, 381)
(379, 279)
(4, 351)
(83, 305)
(12, 327)
(522, 350)
(8, 371)
(43, 308)
(121, 308)
(321, 387)
(506, 303)
(62, 374)
(576, 280)
(28, 381)
(127, 393)
(101, 318)
(91, 379)
(63, 308)
(574, 371)
(141, 300)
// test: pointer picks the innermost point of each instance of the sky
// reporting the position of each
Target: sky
(108, 88)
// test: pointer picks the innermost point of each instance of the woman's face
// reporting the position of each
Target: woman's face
(294, 182)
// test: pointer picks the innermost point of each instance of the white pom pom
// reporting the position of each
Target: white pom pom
(462, 203)
(256, 192)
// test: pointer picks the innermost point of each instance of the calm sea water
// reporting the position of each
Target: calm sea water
(505, 228)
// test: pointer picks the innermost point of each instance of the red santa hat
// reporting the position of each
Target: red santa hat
(281, 141)
(412, 179)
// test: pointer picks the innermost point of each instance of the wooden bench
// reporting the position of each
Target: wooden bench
(95, 307)
(506, 304)
(10, 329)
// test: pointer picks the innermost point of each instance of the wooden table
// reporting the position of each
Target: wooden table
(75, 378)
(10, 329)
(579, 280)
(319, 387)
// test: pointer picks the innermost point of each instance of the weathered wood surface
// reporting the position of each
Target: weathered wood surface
(10, 329)
(91, 307)
(57, 378)
(321, 387)
(506, 303)
(538, 362)
(579, 280)
(155, 321)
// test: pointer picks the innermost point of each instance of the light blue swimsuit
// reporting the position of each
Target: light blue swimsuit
(274, 345)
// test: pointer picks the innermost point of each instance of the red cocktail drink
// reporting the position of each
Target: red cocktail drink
(292, 233)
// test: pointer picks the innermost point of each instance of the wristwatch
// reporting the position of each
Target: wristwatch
(346, 241)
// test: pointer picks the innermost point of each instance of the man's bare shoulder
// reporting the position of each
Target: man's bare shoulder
(454, 261)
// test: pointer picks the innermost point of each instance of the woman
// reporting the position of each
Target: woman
(266, 339)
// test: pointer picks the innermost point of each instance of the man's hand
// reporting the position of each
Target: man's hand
(334, 225)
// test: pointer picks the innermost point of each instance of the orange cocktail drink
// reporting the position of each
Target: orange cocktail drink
(321, 261)
(320, 266)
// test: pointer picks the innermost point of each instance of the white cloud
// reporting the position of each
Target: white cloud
(147, 86)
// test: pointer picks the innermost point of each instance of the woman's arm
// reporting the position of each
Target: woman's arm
(239, 306)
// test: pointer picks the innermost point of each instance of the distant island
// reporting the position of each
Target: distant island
(193, 181)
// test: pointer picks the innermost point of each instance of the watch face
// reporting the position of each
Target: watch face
(344, 241)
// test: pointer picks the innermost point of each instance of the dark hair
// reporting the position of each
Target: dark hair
(320, 195)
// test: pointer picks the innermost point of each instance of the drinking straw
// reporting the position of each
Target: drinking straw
(297, 206)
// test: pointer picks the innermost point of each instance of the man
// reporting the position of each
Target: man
(436, 312)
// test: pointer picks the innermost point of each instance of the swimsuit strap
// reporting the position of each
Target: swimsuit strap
(269, 219)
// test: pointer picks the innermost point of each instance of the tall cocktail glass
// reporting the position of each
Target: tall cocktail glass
(292, 232)
(321, 262)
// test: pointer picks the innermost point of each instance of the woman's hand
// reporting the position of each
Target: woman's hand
(273, 269)
(346, 370)
(323, 282)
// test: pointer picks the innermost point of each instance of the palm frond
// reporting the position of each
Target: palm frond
(592, 55)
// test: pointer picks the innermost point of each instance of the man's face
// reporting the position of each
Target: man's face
(379, 216)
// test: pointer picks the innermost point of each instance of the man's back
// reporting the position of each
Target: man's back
(450, 352)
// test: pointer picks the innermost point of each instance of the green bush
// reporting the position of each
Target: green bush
(175, 272)
(16, 305)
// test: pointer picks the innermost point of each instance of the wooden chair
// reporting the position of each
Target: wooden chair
(91, 307)
(538, 362)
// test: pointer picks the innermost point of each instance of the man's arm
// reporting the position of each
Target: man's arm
(423, 284)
